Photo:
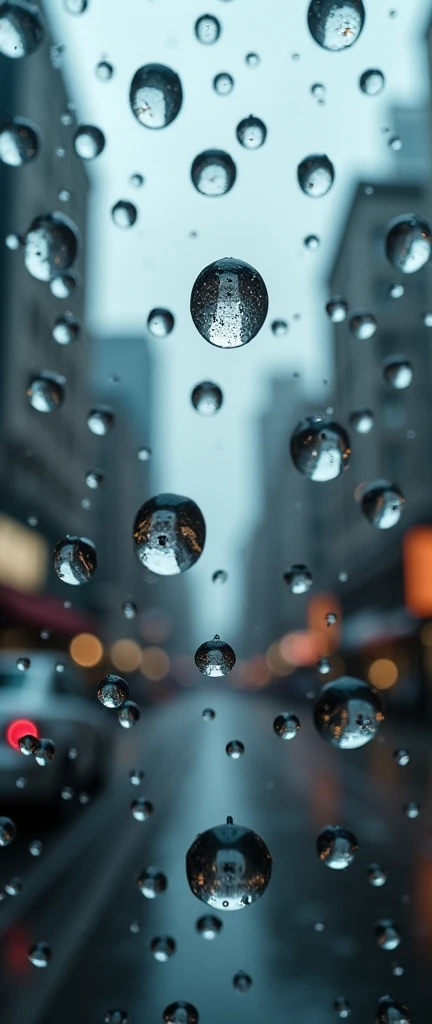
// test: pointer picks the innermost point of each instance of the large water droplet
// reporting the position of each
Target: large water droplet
(7, 831)
(362, 420)
(75, 560)
(155, 95)
(215, 658)
(180, 1013)
(387, 934)
(152, 883)
(46, 392)
(39, 954)
(316, 175)
(377, 875)
(207, 29)
(336, 847)
(382, 503)
(336, 24)
(163, 948)
(347, 713)
(372, 82)
(28, 744)
(124, 214)
(228, 867)
(19, 142)
(169, 534)
(51, 245)
(389, 1011)
(89, 141)
(286, 725)
(408, 243)
(229, 303)
(320, 448)
(21, 28)
(213, 172)
(100, 420)
(112, 691)
(298, 579)
(207, 398)
(129, 714)
(251, 132)
(223, 83)
(160, 322)
(397, 372)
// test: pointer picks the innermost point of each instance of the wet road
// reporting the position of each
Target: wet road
(309, 940)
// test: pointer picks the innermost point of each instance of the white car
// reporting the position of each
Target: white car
(55, 705)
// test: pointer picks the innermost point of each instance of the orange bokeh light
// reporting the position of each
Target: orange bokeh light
(417, 563)
(86, 650)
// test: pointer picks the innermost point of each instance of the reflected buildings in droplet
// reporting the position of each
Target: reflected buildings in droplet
(207, 398)
(112, 691)
(251, 132)
(169, 534)
(336, 24)
(242, 982)
(180, 1013)
(316, 175)
(21, 29)
(155, 95)
(215, 658)
(163, 948)
(100, 420)
(44, 752)
(151, 883)
(387, 934)
(362, 420)
(382, 503)
(397, 372)
(124, 214)
(207, 29)
(298, 579)
(75, 560)
(363, 326)
(235, 749)
(229, 303)
(320, 448)
(223, 83)
(228, 867)
(348, 713)
(40, 954)
(372, 82)
(160, 322)
(389, 1011)
(286, 725)
(89, 141)
(336, 847)
(20, 142)
(408, 243)
(213, 172)
(377, 875)
(7, 831)
(337, 309)
(50, 246)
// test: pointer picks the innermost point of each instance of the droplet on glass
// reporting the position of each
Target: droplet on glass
(252, 60)
(66, 329)
(62, 286)
(104, 70)
(160, 322)
(363, 326)
(348, 713)
(152, 883)
(235, 749)
(316, 175)
(89, 141)
(163, 948)
(46, 392)
(116, 1017)
(377, 875)
(75, 560)
(180, 1013)
(331, 618)
(411, 809)
(298, 579)
(396, 290)
(129, 714)
(207, 29)
(279, 328)
(323, 666)
(402, 756)
(286, 725)
(207, 398)
(228, 867)
(215, 658)
(395, 143)
(336, 24)
(397, 372)
(337, 309)
(213, 172)
(141, 809)
(208, 927)
(372, 82)
(208, 714)
(229, 303)
(39, 954)
(51, 245)
(242, 982)
(100, 420)
(7, 831)
(155, 95)
(35, 847)
(342, 1007)
(382, 503)
(169, 534)
(336, 847)
(389, 1011)
(75, 6)
(318, 91)
(28, 744)
(408, 243)
(312, 243)
(45, 752)
(387, 934)
(136, 776)
(223, 83)
(21, 29)
(20, 141)
(13, 241)
(362, 420)
(23, 664)
(94, 479)
(136, 180)
(124, 214)
(129, 609)
(320, 448)
(112, 691)
(251, 132)
(220, 576)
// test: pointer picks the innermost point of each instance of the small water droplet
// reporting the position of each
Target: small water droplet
(152, 883)
(215, 658)
(129, 714)
(124, 214)
(315, 175)
(251, 132)
(155, 95)
(223, 84)
(382, 503)
(207, 398)
(39, 954)
(387, 934)
(336, 847)
(75, 560)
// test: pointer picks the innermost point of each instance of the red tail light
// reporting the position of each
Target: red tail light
(20, 727)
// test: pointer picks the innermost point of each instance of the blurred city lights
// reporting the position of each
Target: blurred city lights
(417, 562)
(383, 673)
(23, 556)
(277, 665)
(300, 648)
(155, 663)
(426, 634)
(86, 650)
(126, 655)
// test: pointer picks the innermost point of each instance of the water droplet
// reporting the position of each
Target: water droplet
(298, 579)
(395, 143)
(347, 713)
(342, 1007)
(163, 948)
(62, 286)
(180, 1013)
(402, 756)
(207, 29)
(319, 926)
(411, 809)
(104, 70)
(242, 982)
(136, 180)
(362, 420)
(116, 1017)
(220, 576)
(251, 132)
(318, 91)
(23, 664)
(51, 245)
(66, 329)
(213, 172)
(363, 326)
(94, 478)
(39, 954)
(396, 290)
(169, 534)
(279, 328)
(336, 24)
(320, 448)
(286, 725)
(372, 82)
(312, 243)
(207, 398)
(208, 927)
(228, 867)
(64, 195)
(223, 83)
(336, 847)
(128, 714)
(124, 214)
(155, 95)
(337, 309)
(44, 752)
(14, 886)
(408, 243)
(72, 753)
(60, 152)
(19, 141)
(35, 847)
(398, 971)
(252, 60)
(160, 322)
(229, 303)
(75, 560)
(136, 776)
(141, 809)
(28, 744)
(391, 1012)
(235, 749)
(382, 503)
(46, 392)
(152, 883)
(75, 6)
(21, 783)
(129, 609)
(331, 618)
(89, 141)
(112, 691)
(377, 875)
(67, 118)
(21, 29)
(144, 454)
(100, 420)
(316, 175)
(343, 576)
(397, 372)
(13, 241)
(387, 934)
(323, 666)
(215, 658)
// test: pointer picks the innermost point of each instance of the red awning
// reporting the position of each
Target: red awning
(43, 611)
